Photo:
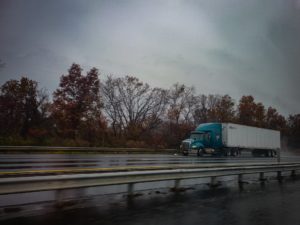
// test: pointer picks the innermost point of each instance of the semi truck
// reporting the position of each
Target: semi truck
(229, 139)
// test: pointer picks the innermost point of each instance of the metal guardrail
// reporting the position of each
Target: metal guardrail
(60, 182)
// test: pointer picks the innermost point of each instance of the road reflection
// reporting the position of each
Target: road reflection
(271, 203)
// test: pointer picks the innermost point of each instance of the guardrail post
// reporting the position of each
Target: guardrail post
(240, 178)
(262, 176)
(240, 181)
(176, 184)
(59, 196)
(130, 189)
(213, 182)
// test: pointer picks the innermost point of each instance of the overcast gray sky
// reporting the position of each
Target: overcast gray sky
(235, 47)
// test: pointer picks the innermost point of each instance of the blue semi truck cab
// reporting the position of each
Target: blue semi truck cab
(207, 138)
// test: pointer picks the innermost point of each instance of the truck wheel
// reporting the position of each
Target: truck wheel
(185, 153)
(200, 152)
(227, 152)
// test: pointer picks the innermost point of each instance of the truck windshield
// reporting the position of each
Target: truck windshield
(198, 136)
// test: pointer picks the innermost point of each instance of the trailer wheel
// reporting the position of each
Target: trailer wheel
(267, 153)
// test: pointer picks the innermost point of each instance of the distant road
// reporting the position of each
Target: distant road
(40, 164)
(60, 149)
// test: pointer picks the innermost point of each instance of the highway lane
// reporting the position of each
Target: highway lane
(18, 164)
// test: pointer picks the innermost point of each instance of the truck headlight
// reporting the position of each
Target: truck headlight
(194, 146)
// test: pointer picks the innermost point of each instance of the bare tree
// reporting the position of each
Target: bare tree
(132, 106)
(201, 109)
(181, 103)
(213, 102)
(214, 108)
(180, 111)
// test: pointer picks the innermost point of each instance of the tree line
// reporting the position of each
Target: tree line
(122, 112)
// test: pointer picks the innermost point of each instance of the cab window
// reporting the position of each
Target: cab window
(197, 136)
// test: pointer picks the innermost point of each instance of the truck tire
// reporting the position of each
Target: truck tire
(200, 152)
(226, 152)
(267, 153)
(185, 153)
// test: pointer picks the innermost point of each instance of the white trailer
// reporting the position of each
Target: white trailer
(252, 138)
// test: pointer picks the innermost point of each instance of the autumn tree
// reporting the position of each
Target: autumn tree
(274, 120)
(77, 103)
(259, 115)
(294, 130)
(21, 107)
(220, 108)
(225, 109)
(133, 107)
(246, 110)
